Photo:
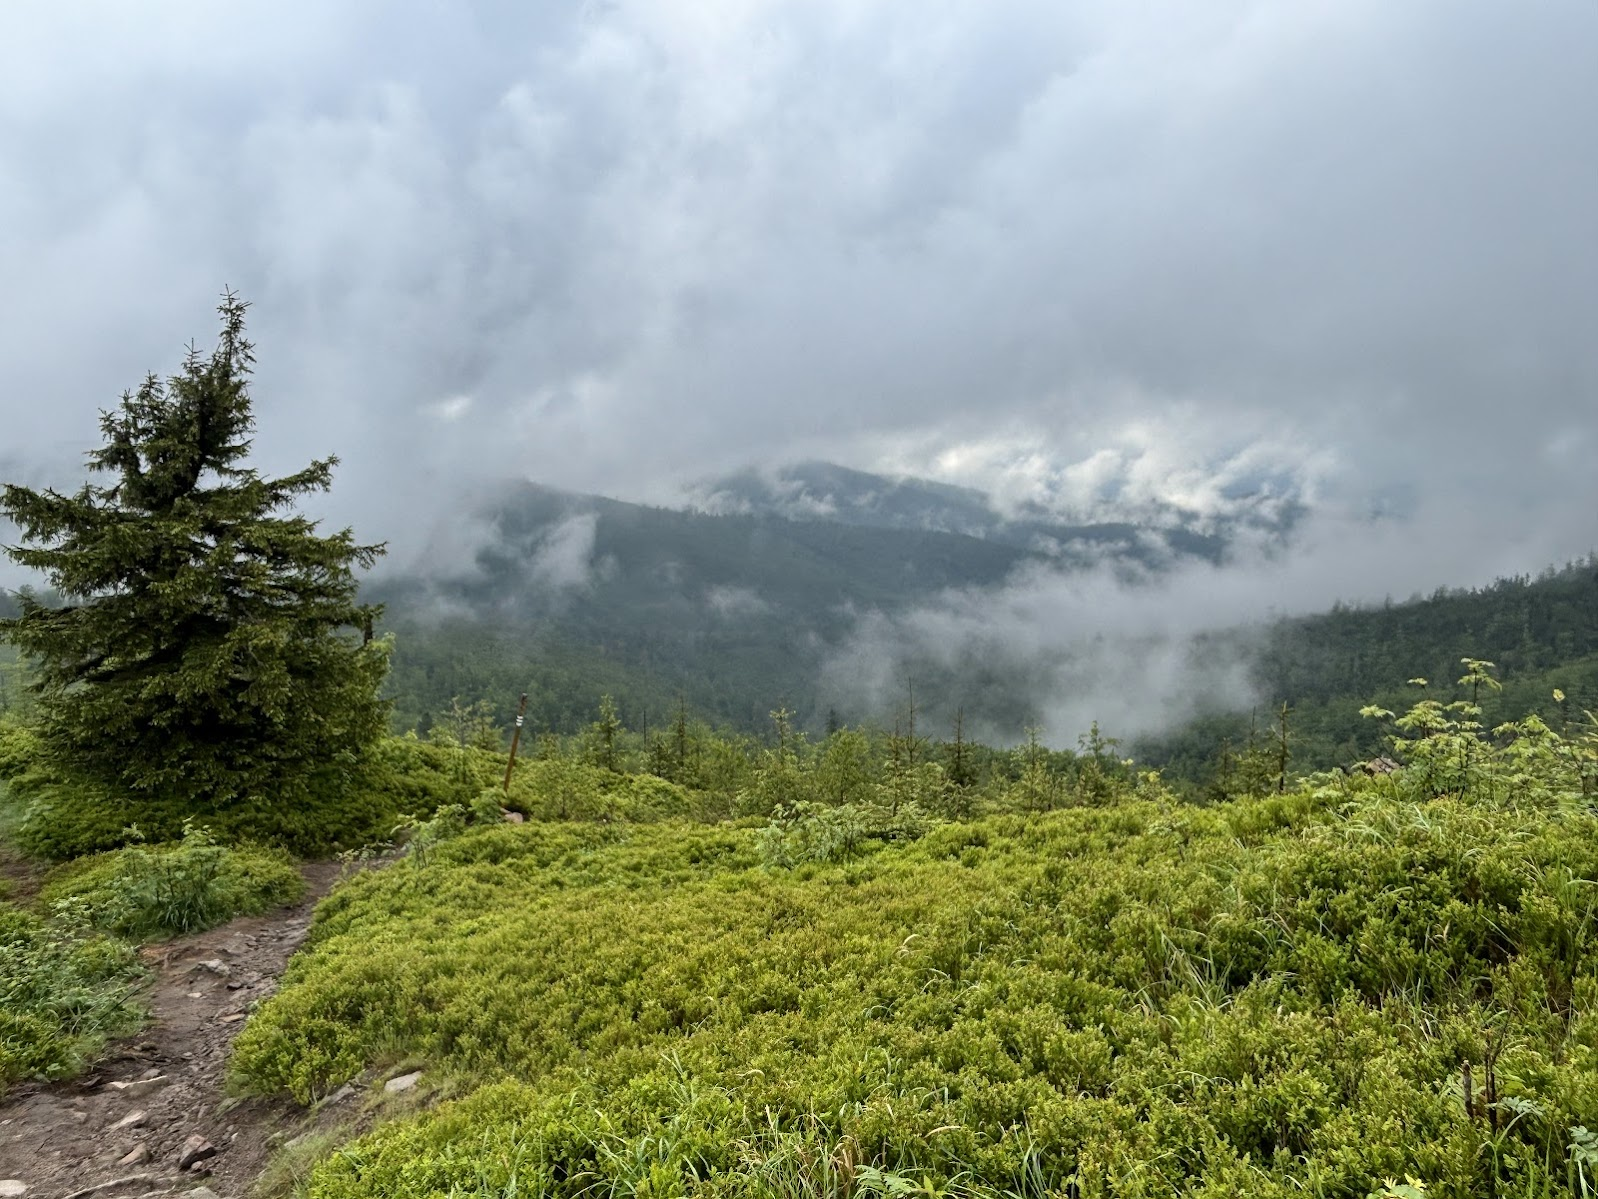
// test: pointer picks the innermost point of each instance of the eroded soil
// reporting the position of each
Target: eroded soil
(121, 1131)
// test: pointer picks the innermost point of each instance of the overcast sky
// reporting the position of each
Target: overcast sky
(1159, 248)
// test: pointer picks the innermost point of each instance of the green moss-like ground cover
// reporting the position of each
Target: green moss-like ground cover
(1275, 997)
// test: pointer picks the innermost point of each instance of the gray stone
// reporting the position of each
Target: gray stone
(403, 1083)
(195, 1149)
(140, 1087)
(10, 1188)
(132, 1120)
(136, 1156)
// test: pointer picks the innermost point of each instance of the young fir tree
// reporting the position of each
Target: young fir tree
(209, 646)
(602, 735)
(962, 770)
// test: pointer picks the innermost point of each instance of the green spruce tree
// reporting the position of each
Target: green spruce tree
(602, 750)
(208, 645)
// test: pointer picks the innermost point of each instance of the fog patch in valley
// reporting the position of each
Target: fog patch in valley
(734, 603)
(1143, 649)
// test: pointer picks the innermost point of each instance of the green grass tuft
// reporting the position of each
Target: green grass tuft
(62, 994)
(145, 893)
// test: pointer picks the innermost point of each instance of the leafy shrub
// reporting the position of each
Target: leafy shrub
(60, 820)
(811, 832)
(352, 805)
(421, 836)
(486, 807)
(61, 995)
(156, 891)
(63, 819)
(806, 831)
(558, 789)
(18, 749)
(422, 776)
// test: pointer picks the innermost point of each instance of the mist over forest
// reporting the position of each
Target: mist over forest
(845, 597)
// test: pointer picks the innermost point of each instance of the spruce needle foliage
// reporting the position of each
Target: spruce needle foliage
(207, 648)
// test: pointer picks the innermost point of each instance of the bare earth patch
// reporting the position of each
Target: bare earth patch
(19, 878)
(152, 1118)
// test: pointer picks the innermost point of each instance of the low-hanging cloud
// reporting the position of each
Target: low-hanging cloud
(1137, 650)
(735, 603)
(563, 559)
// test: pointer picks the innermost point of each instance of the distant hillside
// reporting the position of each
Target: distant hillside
(734, 609)
(578, 594)
(1540, 633)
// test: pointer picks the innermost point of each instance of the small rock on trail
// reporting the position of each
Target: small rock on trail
(195, 1150)
(403, 1083)
(157, 1096)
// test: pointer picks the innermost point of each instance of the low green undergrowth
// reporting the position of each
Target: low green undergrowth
(58, 819)
(1271, 997)
(145, 892)
(62, 994)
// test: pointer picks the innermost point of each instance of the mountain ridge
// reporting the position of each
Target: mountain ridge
(816, 490)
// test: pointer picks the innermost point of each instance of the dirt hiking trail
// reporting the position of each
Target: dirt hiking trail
(152, 1117)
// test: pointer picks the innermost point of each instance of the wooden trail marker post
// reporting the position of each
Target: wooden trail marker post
(515, 740)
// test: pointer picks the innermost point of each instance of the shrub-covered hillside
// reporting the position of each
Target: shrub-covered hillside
(1326, 992)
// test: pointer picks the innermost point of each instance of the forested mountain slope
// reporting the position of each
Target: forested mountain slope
(735, 612)
(574, 596)
(1541, 633)
(826, 491)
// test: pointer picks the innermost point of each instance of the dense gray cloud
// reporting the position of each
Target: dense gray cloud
(1095, 253)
